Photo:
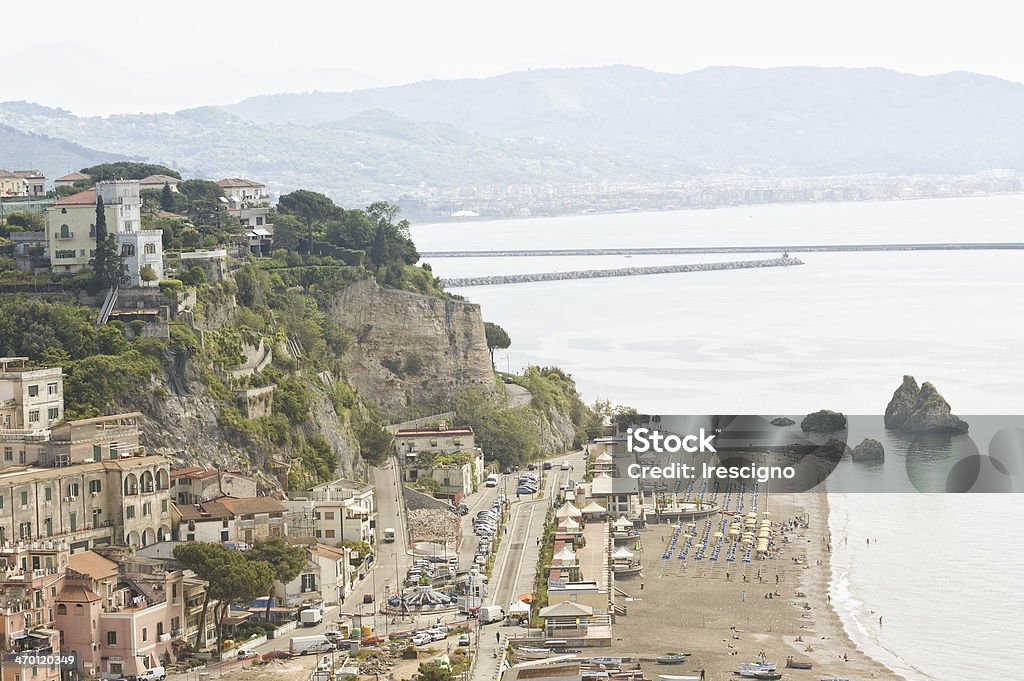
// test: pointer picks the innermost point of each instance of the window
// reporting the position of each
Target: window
(92, 231)
(48, 493)
(25, 530)
(33, 391)
(62, 609)
(64, 254)
(111, 638)
(8, 453)
(329, 534)
(53, 413)
(163, 506)
(129, 512)
(73, 490)
(146, 508)
(145, 634)
(48, 525)
(33, 416)
(127, 250)
(24, 499)
(328, 515)
(308, 583)
(149, 249)
(51, 388)
(159, 629)
(95, 486)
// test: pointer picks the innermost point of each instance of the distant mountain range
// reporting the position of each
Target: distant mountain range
(562, 126)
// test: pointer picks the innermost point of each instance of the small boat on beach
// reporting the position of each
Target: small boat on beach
(796, 664)
(671, 658)
(749, 670)
(669, 677)
(769, 675)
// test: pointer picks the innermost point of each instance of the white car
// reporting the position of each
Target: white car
(438, 634)
(422, 639)
(566, 466)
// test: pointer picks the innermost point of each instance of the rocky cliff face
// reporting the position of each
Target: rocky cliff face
(412, 349)
(921, 410)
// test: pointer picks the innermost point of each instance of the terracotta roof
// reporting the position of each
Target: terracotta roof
(72, 177)
(76, 593)
(159, 179)
(194, 472)
(83, 198)
(208, 511)
(30, 174)
(243, 505)
(92, 564)
(238, 182)
(8, 173)
(330, 552)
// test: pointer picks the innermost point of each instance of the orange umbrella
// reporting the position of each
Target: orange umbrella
(525, 598)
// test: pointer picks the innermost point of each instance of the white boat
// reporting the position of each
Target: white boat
(669, 677)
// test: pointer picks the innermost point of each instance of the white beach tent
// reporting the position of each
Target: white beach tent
(568, 524)
(622, 554)
(565, 554)
(568, 510)
(623, 524)
(519, 607)
(594, 508)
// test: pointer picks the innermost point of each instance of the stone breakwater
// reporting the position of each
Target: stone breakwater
(457, 282)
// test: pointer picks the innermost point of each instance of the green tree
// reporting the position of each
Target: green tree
(374, 442)
(30, 222)
(167, 197)
(127, 170)
(287, 561)
(147, 273)
(229, 575)
(497, 338)
(287, 232)
(311, 208)
(106, 264)
(431, 671)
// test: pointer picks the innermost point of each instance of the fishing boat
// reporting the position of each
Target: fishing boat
(671, 658)
(748, 669)
(796, 664)
(668, 677)
(768, 674)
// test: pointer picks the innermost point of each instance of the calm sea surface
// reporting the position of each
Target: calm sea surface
(837, 333)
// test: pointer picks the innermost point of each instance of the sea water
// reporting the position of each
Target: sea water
(838, 333)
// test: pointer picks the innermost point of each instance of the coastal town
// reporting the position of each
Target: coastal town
(429, 552)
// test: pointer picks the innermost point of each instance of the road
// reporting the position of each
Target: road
(516, 395)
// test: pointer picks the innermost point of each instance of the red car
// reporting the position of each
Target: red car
(372, 640)
(277, 655)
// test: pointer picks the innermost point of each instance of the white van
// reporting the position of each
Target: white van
(492, 480)
(153, 674)
(389, 535)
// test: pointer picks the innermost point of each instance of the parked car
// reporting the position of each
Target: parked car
(276, 655)
(153, 674)
(566, 466)
(438, 635)
(463, 639)
(422, 639)
(548, 465)
(531, 467)
(245, 653)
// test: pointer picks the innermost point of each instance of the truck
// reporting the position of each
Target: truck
(389, 535)
(491, 613)
(310, 617)
(318, 643)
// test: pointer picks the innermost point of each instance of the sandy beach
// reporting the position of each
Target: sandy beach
(692, 606)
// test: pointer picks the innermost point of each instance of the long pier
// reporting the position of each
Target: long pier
(494, 279)
(694, 250)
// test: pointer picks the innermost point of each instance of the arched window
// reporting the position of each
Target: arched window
(150, 249)
(62, 609)
(128, 250)
(65, 232)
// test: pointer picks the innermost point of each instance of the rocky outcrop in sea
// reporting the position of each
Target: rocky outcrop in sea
(869, 450)
(833, 449)
(782, 422)
(824, 421)
(914, 409)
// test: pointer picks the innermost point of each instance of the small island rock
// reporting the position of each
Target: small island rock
(782, 421)
(824, 421)
(833, 449)
(869, 450)
(921, 410)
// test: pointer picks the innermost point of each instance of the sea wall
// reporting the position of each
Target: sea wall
(620, 272)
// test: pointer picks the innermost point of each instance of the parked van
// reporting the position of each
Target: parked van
(318, 643)
(492, 480)
(491, 613)
(153, 674)
(389, 535)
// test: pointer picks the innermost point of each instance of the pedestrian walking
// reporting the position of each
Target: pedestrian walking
(497, 637)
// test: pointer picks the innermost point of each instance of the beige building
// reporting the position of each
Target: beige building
(157, 182)
(70, 179)
(30, 399)
(22, 184)
(243, 190)
(230, 519)
(122, 501)
(334, 512)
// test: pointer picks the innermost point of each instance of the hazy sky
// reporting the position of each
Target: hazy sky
(169, 56)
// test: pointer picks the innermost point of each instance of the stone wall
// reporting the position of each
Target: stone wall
(256, 402)
(412, 349)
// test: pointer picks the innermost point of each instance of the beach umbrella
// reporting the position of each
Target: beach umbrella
(766, 513)
(718, 535)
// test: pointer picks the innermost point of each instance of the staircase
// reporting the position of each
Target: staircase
(108, 306)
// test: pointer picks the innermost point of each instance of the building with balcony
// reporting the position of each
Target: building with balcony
(71, 231)
(243, 190)
(334, 512)
(22, 184)
(122, 502)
